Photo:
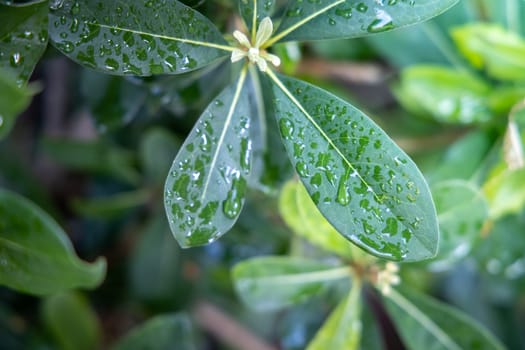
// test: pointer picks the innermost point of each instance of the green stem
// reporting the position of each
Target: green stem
(254, 21)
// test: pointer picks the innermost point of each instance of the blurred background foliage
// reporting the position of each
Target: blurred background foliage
(93, 150)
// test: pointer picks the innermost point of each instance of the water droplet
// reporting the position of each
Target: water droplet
(381, 23)
(345, 13)
(331, 21)
(75, 9)
(16, 59)
(111, 64)
(1, 121)
(361, 7)
(296, 12)
(287, 128)
(233, 203)
(343, 193)
(316, 180)
(302, 169)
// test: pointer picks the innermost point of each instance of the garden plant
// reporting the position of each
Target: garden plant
(361, 237)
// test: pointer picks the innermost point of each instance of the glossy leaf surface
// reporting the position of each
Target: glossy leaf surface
(23, 39)
(445, 94)
(134, 37)
(271, 283)
(302, 216)
(264, 8)
(492, 48)
(72, 322)
(159, 333)
(360, 180)
(425, 323)
(36, 255)
(205, 188)
(331, 19)
(13, 100)
(462, 210)
(342, 329)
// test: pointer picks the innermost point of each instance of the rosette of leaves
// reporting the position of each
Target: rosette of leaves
(367, 188)
(272, 283)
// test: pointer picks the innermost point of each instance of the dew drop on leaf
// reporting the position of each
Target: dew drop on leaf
(287, 128)
(361, 7)
(381, 23)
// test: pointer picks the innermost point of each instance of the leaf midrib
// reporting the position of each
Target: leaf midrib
(304, 277)
(423, 320)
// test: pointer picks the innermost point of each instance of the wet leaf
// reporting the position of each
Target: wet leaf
(331, 19)
(365, 185)
(489, 46)
(462, 210)
(264, 8)
(302, 216)
(135, 37)
(206, 186)
(36, 255)
(13, 100)
(271, 283)
(23, 39)
(425, 323)
(159, 333)
(342, 330)
(72, 322)
(444, 94)
(427, 42)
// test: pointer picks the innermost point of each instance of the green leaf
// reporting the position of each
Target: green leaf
(23, 39)
(135, 37)
(504, 191)
(72, 322)
(491, 47)
(158, 147)
(509, 261)
(445, 94)
(425, 323)
(13, 100)
(302, 216)
(96, 156)
(112, 101)
(36, 255)
(426, 42)
(462, 210)
(264, 8)
(271, 283)
(205, 189)
(159, 333)
(112, 206)
(154, 265)
(270, 165)
(342, 330)
(463, 158)
(331, 19)
(363, 184)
